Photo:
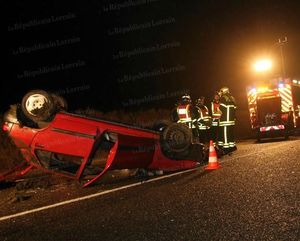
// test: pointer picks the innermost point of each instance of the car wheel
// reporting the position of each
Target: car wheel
(38, 105)
(176, 140)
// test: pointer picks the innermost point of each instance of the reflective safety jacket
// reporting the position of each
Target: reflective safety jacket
(184, 114)
(227, 107)
(204, 120)
(215, 113)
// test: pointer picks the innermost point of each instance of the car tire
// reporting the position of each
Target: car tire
(176, 140)
(38, 105)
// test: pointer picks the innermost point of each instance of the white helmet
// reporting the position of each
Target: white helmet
(224, 90)
(186, 98)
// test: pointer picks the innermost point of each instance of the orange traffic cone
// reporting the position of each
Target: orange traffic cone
(212, 160)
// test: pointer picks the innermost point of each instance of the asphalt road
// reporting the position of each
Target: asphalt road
(254, 196)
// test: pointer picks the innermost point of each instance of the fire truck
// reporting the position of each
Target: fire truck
(272, 109)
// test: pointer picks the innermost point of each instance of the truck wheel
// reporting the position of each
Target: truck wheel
(38, 105)
(286, 135)
(176, 139)
(258, 137)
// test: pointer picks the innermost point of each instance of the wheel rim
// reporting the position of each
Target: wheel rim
(35, 102)
(177, 139)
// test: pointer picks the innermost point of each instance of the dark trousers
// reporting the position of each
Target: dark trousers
(204, 136)
(226, 138)
(214, 134)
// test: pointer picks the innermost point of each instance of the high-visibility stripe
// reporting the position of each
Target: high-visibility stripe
(214, 123)
(204, 128)
(184, 121)
(228, 113)
(286, 98)
(225, 135)
(228, 106)
(187, 122)
(183, 112)
(229, 109)
(286, 93)
(227, 123)
(204, 116)
(252, 98)
(232, 144)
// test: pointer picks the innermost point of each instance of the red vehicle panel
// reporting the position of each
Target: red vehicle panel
(85, 148)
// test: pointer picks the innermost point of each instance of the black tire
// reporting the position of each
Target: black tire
(286, 135)
(59, 102)
(176, 140)
(42, 101)
(24, 120)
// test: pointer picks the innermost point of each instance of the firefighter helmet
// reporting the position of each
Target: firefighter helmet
(200, 101)
(224, 90)
(186, 98)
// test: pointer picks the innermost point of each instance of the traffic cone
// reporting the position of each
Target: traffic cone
(212, 160)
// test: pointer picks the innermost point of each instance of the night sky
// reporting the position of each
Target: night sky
(138, 54)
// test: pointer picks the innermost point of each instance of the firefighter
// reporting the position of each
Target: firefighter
(290, 119)
(215, 114)
(203, 120)
(228, 106)
(185, 113)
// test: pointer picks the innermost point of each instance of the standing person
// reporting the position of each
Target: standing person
(227, 121)
(203, 121)
(185, 114)
(216, 115)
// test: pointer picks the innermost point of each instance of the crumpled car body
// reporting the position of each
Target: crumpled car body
(84, 148)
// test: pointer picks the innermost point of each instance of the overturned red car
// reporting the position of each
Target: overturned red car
(80, 147)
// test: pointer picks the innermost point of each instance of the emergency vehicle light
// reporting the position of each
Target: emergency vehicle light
(296, 82)
(262, 89)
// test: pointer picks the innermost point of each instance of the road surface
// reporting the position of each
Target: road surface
(254, 196)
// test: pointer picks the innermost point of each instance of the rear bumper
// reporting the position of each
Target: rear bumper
(272, 128)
